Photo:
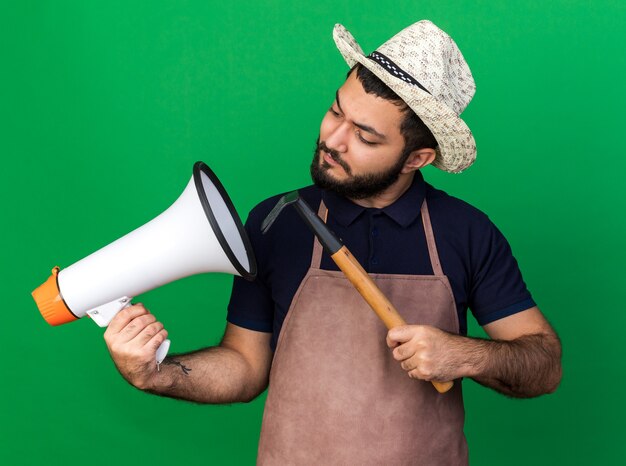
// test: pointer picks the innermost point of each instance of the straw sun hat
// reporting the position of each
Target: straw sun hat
(424, 66)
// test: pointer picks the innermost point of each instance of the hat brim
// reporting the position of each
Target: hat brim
(456, 149)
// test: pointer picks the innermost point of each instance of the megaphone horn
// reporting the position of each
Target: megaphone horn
(201, 232)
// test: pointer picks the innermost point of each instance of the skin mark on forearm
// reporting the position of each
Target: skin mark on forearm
(173, 362)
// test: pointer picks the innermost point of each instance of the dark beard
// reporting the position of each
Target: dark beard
(358, 186)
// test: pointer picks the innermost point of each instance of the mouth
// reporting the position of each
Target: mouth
(328, 159)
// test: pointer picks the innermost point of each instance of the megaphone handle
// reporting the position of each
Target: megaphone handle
(162, 351)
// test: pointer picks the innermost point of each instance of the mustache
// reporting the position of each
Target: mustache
(334, 155)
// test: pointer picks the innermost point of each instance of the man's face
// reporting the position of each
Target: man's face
(360, 150)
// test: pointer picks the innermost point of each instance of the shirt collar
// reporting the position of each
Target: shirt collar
(404, 211)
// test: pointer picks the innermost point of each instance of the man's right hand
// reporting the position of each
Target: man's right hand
(133, 337)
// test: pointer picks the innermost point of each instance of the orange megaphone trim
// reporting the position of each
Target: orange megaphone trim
(50, 302)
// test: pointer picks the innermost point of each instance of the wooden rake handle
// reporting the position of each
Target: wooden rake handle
(374, 297)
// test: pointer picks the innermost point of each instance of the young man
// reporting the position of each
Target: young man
(343, 390)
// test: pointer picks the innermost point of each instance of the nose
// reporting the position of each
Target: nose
(338, 137)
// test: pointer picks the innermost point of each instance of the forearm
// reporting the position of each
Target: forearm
(525, 367)
(236, 370)
(212, 375)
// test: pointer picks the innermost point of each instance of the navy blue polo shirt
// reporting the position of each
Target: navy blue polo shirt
(475, 256)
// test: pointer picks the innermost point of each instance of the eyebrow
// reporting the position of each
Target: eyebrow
(367, 128)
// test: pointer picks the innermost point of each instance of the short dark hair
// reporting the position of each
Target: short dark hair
(416, 133)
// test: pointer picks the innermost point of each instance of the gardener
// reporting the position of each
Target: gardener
(343, 390)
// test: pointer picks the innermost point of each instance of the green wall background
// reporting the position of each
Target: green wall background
(106, 105)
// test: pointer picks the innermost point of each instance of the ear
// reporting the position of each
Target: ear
(418, 159)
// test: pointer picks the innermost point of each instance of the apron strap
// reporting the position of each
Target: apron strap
(430, 240)
(318, 249)
(316, 258)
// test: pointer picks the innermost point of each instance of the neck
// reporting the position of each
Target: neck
(389, 195)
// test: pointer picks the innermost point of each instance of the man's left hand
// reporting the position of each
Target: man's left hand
(426, 352)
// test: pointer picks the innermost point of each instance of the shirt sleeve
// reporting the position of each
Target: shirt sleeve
(251, 305)
(497, 288)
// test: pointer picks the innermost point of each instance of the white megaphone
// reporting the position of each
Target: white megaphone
(200, 232)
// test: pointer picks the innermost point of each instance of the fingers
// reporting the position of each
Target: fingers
(148, 333)
(421, 351)
(137, 328)
(401, 334)
(144, 346)
(134, 325)
(417, 369)
(124, 317)
(140, 331)
(404, 341)
(391, 343)
(408, 349)
(133, 337)
(403, 352)
(157, 340)
(418, 375)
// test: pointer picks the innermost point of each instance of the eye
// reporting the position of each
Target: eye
(363, 140)
(332, 110)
